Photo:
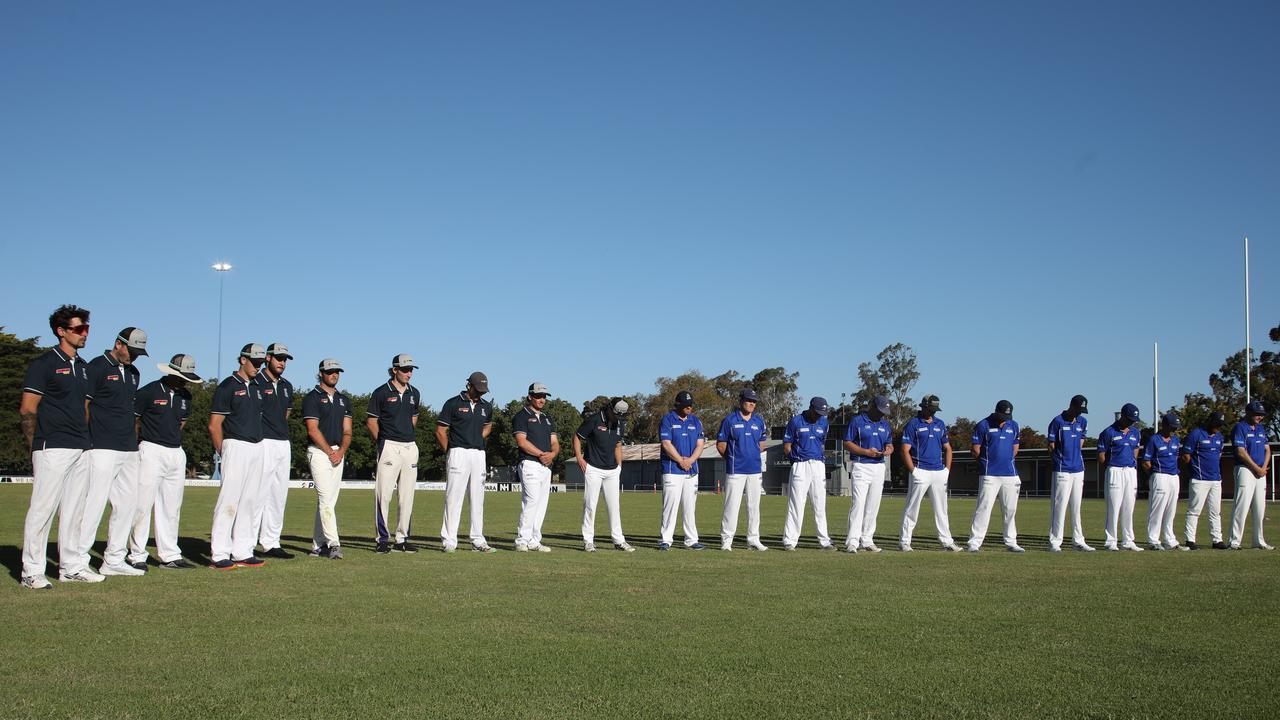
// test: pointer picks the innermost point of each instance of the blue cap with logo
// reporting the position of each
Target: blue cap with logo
(1129, 412)
(1254, 408)
(748, 395)
(819, 405)
(881, 403)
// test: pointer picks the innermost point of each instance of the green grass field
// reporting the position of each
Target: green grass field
(710, 634)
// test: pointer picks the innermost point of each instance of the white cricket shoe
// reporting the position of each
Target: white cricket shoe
(541, 548)
(871, 547)
(588, 547)
(757, 547)
(1131, 548)
(521, 547)
(36, 582)
(1082, 547)
(1015, 548)
(624, 547)
(1263, 546)
(905, 548)
(119, 569)
(84, 576)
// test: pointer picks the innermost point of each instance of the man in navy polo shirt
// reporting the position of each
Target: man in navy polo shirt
(535, 435)
(1066, 441)
(1202, 453)
(682, 439)
(995, 443)
(462, 431)
(392, 420)
(277, 405)
(1253, 459)
(741, 442)
(162, 408)
(927, 455)
(803, 443)
(53, 423)
(1160, 461)
(870, 440)
(1118, 448)
(327, 415)
(235, 427)
(113, 461)
(597, 447)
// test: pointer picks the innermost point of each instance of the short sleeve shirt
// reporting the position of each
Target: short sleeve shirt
(924, 440)
(807, 439)
(1066, 436)
(1206, 454)
(870, 435)
(601, 440)
(466, 421)
(112, 386)
(62, 383)
(1252, 438)
(536, 427)
(1163, 454)
(277, 399)
(684, 434)
(241, 402)
(1121, 446)
(995, 458)
(395, 411)
(161, 412)
(742, 438)
(329, 412)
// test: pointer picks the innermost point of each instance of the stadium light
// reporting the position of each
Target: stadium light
(222, 268)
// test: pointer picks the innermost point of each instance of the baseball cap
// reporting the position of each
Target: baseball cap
(253, 351)
(930, 402)
(478, 381)
(135, 339)
(748, 395)
(538, 389)
(880, 403)
(1080, 404)
(819, 405)
(684, 398)
(279, 350)
(1216, 420)
(183, 366)
(1171, 421)
(1129, 412)
(1254, 408)
(403, 361)
(621, 407)
(1004, 410)
(329, 365)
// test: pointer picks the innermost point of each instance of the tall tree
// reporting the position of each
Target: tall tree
(893, 375)
(1227, 387)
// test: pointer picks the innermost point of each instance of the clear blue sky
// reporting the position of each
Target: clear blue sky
(596, 194)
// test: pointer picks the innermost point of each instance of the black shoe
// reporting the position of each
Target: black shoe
(383, 548)
(223, 565)
(1219, 545)
(404, 547)
(251, 561)
(179, 564)
(1190, 546)
(140, 565)
(278, 552)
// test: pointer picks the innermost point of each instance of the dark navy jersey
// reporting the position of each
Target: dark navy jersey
(742, 437)
(240, 401)
(1206, 454)
(466, 421)
(600, 440)
(112, 386)
(536, 427)
(277, 399)
(395, 411)
(161, 412)
(1066, 436)
(869, 434)
(684, 434)
(924, 440)
(62, 383)
(329, 412)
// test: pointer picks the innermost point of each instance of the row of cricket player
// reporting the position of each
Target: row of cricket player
(97, 437)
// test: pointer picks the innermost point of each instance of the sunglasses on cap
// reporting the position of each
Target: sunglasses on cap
(82, 329)
(330, 372)
(256, 362)
(406, 371)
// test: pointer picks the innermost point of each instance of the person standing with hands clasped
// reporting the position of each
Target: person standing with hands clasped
(1202, 452)
(1253, 459)
(804, 444)
(870, 440)
(682, 442)
(327, 416)
(462, 431)
(597, 447)
(740, 442)
(927, 456)
(1118, 448)
(539, 446)
(1160, 461)
(1066, 442)
(995, 443)
(392, 421)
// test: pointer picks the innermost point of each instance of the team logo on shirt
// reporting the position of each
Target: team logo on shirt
(268, 392)
(392, 399)
(161, 402)
(462, 409)
(113, 377)
(324, 401)
(602, 428)
(241, 392)
(63, 371)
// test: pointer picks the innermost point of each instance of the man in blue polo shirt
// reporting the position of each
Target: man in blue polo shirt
(681, 436)
(327, 415)
(740, 442)
(53, 423)
(1160, 462)
(1118, 448)
(1202, 453)
(392, 421)
(1066, 441)
(927, 455)
(870, 440)
(995, 443)
(277, 456)
(462, 432)
(235, 427)
(113, 461)
(804, 445)
(1253, 459)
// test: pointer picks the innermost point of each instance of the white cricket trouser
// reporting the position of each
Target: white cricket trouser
(113, 476)
(1005, 487)
(535, 490)
(232, 536)
(1068, 488)
(595, 481)
(1162, 505)
(61, 476)
(465, 478)
(397, 471)
(679, 493)
(735, 486)
(868, 486)
(1198, 491)
(1251, 495)
(808, 481)
(1121, 491)
(328, 481)
(934, 484)
(161, 481)
(268, 519)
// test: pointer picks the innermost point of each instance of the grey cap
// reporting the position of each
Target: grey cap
(403, 361)
(183, 366)
(880, 403)
(330, 364)
(253, 351)
(621, 407)
(538, 389)
(135, 339)
(279, 350)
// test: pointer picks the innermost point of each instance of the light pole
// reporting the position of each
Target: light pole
(222, 268)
